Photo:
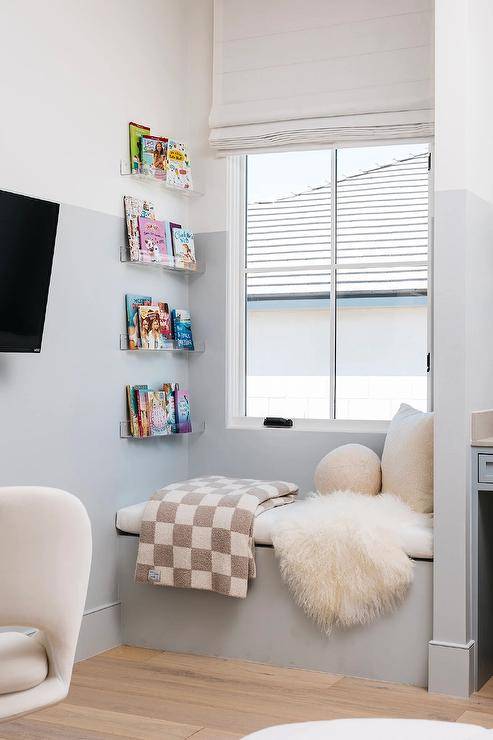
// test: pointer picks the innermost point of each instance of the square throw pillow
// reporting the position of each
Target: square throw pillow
(407, 460)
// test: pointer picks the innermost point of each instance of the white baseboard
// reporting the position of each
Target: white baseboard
(100, 630)
(451, 668)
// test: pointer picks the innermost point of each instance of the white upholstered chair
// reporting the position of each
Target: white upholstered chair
(373, 729)
(45, 557)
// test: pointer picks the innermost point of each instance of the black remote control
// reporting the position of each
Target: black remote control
(277, 421)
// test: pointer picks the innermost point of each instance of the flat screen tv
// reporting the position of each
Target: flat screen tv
(27, 242)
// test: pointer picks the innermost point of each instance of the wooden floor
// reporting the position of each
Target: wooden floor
(135, 693)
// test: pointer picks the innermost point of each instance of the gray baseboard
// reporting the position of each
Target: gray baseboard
(100, 630)
(451, 668)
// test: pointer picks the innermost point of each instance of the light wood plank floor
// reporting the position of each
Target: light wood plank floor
(135, 693)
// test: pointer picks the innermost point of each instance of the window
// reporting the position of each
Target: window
(329, 290)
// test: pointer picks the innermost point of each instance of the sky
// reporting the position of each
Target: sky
(272, 176)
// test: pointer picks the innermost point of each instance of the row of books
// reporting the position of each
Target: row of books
(152, 326)
(159, 157)
(155, 413)
(152, 240)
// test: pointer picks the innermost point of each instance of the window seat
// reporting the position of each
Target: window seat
(128, 520)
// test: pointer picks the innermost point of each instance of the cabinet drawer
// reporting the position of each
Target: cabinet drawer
(485, 472)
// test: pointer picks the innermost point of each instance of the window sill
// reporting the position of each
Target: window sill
(250, 423)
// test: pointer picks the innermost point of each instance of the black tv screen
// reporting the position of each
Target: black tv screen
(27, 242)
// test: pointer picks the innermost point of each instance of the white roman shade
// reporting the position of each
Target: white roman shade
(310, 72)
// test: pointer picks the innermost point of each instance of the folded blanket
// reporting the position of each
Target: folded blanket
(199, 533)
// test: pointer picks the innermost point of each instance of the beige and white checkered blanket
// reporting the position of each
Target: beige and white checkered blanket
(199, 533)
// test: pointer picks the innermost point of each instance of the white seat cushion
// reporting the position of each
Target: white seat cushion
(129, 519)
(23, 662)
(372, 729)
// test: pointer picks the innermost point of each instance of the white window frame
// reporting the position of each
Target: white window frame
(236, 225)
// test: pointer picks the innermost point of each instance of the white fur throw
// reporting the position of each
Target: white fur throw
(344, 557)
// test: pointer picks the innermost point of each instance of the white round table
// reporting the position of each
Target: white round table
(373, 729)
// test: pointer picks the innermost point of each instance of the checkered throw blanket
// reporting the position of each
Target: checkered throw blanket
(199, 533)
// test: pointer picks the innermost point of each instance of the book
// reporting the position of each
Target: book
(182, 328)
(169, 226)
(132, 303)
(133, 411)
(179, 172)
(150, 327)
(182, 411)
(169, 390)
(165, 322)
(135, 131)
(152, 240)
(158, 416)
(184, 248)
(153, 156)
(142, 393)
(135, 208)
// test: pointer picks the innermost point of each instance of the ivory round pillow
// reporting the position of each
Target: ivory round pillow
(349, 468)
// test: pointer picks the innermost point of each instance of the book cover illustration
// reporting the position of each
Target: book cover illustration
(182, 411)
(158, 417)
(132, 303)
(152, 240)
(153, 156)
(169, 390)
(169, 226)
(184, 248)
(179, 172)
(135, 132)
(165, 322)
(135, 208)
(133, 408)
(142, 393)
(150, 327)
(182, 328)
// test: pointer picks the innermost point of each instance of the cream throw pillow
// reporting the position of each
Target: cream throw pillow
(407, 460)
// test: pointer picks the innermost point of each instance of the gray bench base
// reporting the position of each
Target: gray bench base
(268, 627)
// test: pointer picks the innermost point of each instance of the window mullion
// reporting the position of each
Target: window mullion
(333, 283)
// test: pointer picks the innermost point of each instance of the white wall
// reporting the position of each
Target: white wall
(73, 74)
(463, 310)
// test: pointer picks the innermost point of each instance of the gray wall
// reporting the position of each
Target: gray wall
(62, 408)
(273, 453)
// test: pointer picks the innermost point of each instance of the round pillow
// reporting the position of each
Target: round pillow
(349, 468)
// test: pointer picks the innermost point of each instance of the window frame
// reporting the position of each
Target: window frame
(236, 227)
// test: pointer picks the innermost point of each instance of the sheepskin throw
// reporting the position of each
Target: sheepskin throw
(199, 533)
(344, 557)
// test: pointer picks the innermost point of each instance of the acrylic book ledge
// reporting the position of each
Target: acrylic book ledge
(197, 428)
(197, 269)
(171, 346)
(150, 179)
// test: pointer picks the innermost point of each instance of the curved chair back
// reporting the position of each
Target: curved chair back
(45, 558)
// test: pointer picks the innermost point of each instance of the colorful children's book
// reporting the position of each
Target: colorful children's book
(165, 322)
(168, 227)
(169, 390)
(179, 173)
(132, 303)
(133, 410)
(152, 240)
(184, 248)
(142, 395)
(182, 411)
(136, 130)
(158, 417)
(150, 327)
(153, 156)
(135, 208)
(182, 328)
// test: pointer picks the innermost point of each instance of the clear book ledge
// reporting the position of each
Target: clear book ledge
(157, 181)
(169, 346)
(196, 268)
(125, 433)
